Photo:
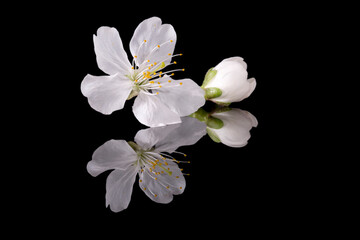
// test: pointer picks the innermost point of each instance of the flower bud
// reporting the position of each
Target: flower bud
(232, 126)
(227, 82)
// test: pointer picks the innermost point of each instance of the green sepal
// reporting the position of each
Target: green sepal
(212, 92)
(132, 94)
(134, 146)
(210, 74)
(215, 123)
(200, 115)
(213, 135)
(220, 109)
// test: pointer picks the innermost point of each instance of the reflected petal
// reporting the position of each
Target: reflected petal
(119, 185)
(114, 154)
(237, 126)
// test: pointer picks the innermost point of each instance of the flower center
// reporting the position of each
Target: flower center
(146, 74)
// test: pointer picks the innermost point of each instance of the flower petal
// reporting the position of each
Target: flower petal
(171, 137)
(237, 126)
(181, 96)
(231, 79)
(106, 93)
(155, 34)
(147, 138)
(238, 60)
(119, 186)
(188, 133)
(110, 54)
(160, 185)
(152, 112)
(114, 154)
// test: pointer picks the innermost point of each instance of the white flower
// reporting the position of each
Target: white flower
(228, 82)
(231, 126)
(159, 175)
(160, 99)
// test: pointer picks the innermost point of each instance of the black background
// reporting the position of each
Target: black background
(263, 187)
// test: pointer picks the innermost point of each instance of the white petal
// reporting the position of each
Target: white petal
(188, 133)
(152, 112)
(171, 137)
(147, 138)
(114, 154)
(119, 185)
(106, 93)
(231, 78)
(236, 59)
(160, 185)
(183, 99)
(252, 85)
(155, 34)
(110, 54)
(237, 126)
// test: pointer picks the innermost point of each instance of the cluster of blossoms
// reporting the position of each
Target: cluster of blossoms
(171, 108)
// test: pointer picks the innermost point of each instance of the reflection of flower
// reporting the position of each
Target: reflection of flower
(227, 82)
(159, 175)
(229, 126)
(160, 99)
(235, 131)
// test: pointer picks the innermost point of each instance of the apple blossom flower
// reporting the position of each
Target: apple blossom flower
(148, 157)
(230, 126)
(227, 82)
(160, 99)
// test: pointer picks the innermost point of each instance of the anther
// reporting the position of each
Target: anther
(144, 40)
(158, 46)
(181, 83)
(175, 62)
